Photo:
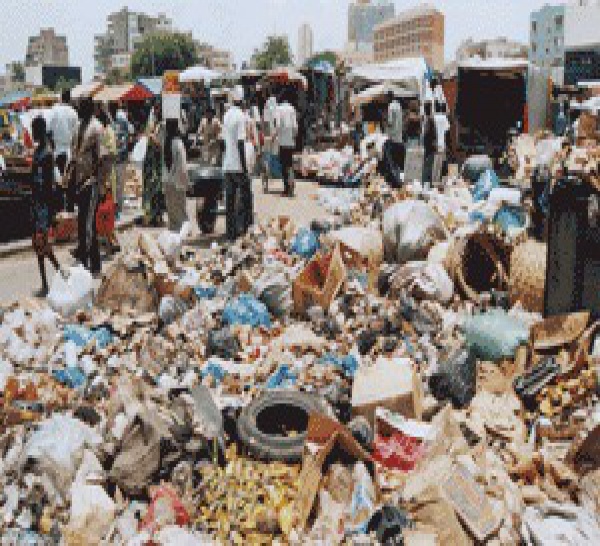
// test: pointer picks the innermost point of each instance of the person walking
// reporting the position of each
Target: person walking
(152, 170)
(123, 130)
(210, 134)
(442, 127)
(85, 180)
(107, 181)
(62, 127)
(175, 176)
(429, 143)
(42, 201)
(286, 124)
(393, 149)
(237, 180)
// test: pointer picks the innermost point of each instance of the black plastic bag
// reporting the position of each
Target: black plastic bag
(456, 377)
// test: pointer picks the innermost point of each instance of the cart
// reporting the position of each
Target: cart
(271, 168)
(207, 182)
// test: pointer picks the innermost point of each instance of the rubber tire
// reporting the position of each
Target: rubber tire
(266, 447)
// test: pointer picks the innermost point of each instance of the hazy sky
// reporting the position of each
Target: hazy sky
(241, 25)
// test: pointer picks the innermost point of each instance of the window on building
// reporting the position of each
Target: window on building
(533, 48)
(534, 26)
(558, 20)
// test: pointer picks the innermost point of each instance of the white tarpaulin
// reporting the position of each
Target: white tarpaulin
(477, 63)
(199, 74)
(407, 71)
(381, 91)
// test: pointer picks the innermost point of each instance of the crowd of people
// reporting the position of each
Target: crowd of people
(82, 153)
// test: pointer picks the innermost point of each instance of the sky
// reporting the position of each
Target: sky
(242, 25)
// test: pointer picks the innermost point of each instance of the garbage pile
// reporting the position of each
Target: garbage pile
(384, 377)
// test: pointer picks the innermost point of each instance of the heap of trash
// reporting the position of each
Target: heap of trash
(383, 377)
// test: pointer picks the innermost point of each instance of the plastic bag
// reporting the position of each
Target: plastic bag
(495, 335)
(305, 243)
(475, 166)
(484, 185)
(455, 378)
(68, 296)
(511, 218)
(410, 229)
(246, 309)
(82, 336)
(170, 309)
(282, 378)
(55, 446)
(348, 364)
(423, 280)
(170, 243)
(92, 510)
(274, 289)
(363, 499)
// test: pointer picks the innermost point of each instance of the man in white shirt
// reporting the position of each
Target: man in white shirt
(395, 120)
(393, 148)
(286, 125)
(442, 125)
(235, 170)
(62, 126)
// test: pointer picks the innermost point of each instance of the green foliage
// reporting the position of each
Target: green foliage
(157, 53)
(327, 56)
(64, 84)
(117, 77)
(18, 72)
(274, 52)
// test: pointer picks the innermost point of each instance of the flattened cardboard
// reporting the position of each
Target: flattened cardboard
(470, 503)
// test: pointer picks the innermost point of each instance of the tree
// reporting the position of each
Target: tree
(274, 52)
(115, 76)
(18, 72)
(157, 53)
(64, 84)
(326, 56)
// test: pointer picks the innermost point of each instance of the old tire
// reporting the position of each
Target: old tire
(262, 423)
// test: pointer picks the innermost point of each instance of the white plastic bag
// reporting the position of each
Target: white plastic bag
(68, 296)
(170, 243)
(92, 510)
(57, 445)
(410, 229)
(424, 280)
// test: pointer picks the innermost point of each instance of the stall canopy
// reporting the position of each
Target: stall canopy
(16, 100)
(132, 92)
(410, 73)
(199, 74)
(381, 91)
(322, 66)
(154, 85)
(86, 90)
(287, 75)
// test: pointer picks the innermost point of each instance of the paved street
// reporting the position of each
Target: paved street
(19, 276)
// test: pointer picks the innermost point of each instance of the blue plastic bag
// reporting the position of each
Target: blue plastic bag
(348, 364)
(82, 336)
(495, 335)
(305, 243)
(214, 370)
(247, 310)
(205, 292)
(510, 217)
(484, 185)
(73, 378)
(282, 378)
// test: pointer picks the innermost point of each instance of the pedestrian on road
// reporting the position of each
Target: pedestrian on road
(86, 167)
(237, 180)
(442, 128)
(42, 200)
(393, 149)
(107, 180)
(123, 130)
(210, 134)
(152, 195)
(286, 123)
(62, 127)
(429, 143)
(175, 177)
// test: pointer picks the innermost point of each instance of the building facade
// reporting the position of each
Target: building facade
(418, 32)
(547, 37)
(47, 48)
(214, 58)
(305, 44)
(124, 30)
(491, 49)
(582, 42)
(363, 17)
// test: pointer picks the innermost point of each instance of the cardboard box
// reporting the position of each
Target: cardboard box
(391, 383)
(319, 282)
(323, 435)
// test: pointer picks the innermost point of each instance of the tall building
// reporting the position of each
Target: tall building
(305, 43)
(547, 37)
(417, 32)
(47, 48)
(124, 30)
(364, 16)
(214, 58)
(491, 49)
